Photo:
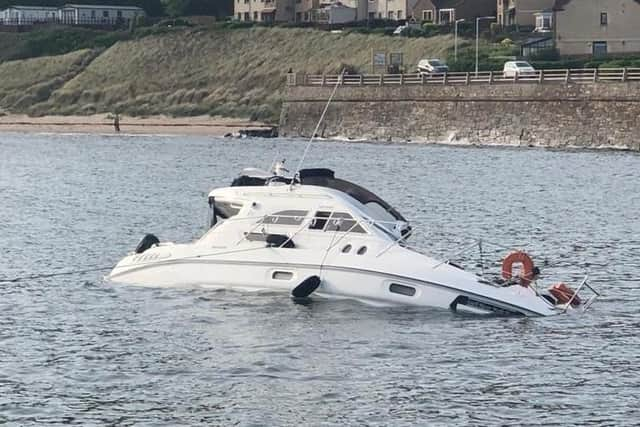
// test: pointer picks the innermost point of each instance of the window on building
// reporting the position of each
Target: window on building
(604, 18)
(599, 49)
(247, 17)
(399, 14)
(390, 14)
(372, 15)
(427, 15)
(119, 14)
(255, 16)
(306, 16)
(446, 16)
(105, 14)
(93, 14)
(379, 15)
(239, 16)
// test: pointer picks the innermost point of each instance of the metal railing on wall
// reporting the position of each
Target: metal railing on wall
(583, 75)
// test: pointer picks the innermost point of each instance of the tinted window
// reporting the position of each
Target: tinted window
(319, 221)
(342, 221)
(291, 217)
(227, 209)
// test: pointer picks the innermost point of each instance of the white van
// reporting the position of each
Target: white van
(517, 68)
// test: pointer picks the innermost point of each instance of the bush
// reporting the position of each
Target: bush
(549, 54)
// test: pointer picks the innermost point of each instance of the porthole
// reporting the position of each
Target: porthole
(362, 250)
(402, 289)
(282, 275)
(346, 249)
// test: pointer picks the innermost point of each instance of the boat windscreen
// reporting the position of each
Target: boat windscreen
(325, 178)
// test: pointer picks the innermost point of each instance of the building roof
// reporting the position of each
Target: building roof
(32, 7)
(98, 6)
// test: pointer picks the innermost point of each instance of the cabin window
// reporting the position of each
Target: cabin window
(226, 210)
(362, 250)
(320, 220)
(402, 289)
(289, 217)
(342, 221)
(346, 249)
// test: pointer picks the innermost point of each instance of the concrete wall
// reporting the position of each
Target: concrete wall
(553, 115)
(578, 26)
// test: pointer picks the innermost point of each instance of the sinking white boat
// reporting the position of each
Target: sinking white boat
(317, 235)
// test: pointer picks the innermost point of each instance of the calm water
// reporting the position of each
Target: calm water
(78, 350)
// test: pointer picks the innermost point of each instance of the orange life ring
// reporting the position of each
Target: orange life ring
(526, 276)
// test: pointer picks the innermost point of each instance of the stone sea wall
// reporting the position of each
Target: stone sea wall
(589, 115)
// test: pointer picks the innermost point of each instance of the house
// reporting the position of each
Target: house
(597, 27)
(321, 11)
(448, 11)
(335, 13)
(521, 13)
(25, 15)
(76, 14)
(264, 10)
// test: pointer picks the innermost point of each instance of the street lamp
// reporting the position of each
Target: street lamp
(455, 42)
(478, 19)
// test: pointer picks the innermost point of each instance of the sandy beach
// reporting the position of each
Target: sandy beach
(104, 124)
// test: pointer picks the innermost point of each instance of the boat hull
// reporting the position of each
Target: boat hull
(365, 285)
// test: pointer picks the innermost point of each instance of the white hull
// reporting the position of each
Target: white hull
(337, 281)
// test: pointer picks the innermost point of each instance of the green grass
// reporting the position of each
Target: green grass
(28, 83)
(238, 73)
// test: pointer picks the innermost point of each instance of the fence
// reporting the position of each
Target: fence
(85, 22)
(584, 75)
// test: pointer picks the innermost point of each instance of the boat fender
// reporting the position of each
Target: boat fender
(306, 287)
(147, 241)
(563, 294)
(528, 270)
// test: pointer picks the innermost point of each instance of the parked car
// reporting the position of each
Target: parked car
(517, 68)
(432, 66)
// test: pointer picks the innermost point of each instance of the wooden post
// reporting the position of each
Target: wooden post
(422, 78)
(566, 76)
(324, 79)
(491, 77)
(361, 80)
(624, 74)
(595, 75)
(467, 78)
(381, 79)
(401, 79)
(541, 77)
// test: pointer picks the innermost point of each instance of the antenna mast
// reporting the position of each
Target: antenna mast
(315, 131)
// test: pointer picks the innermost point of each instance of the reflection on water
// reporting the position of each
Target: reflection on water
(78, 350)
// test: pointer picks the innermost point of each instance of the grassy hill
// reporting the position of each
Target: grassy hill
(217, 71)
